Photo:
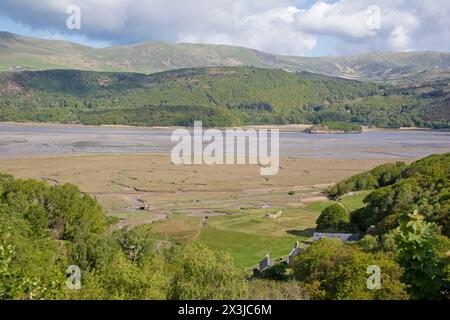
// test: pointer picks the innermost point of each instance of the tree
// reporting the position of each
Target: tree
(70, 211)
(124, 280)
(424, 272)
(30, 269)
(422, 186)
(137, 243)
(369, 243)
(380, 176)
(335, 218)
(331, 269)
(207, 275)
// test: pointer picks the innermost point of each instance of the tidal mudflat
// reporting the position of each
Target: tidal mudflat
(16, 140)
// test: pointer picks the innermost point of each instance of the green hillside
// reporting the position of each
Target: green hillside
(393, 67)
(24, 53)
(219, 96)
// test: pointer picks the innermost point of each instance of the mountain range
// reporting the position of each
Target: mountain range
(18, 53)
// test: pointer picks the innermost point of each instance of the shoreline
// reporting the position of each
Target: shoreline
(282, 128)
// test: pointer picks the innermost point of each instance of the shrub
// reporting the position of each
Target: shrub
(331, 269)
(207, 275)
(335, 218)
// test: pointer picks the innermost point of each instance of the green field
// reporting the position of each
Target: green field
(319, 205)
(255, 221)
(249, 234)
(246, 249)
(351, 202)
(355, 201)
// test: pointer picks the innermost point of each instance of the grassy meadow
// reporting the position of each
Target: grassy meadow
(249, 234)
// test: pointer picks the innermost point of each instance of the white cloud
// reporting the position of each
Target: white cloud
(362, 21)
(334, 19)
(399, 39)
(278, 26)
(268, 31)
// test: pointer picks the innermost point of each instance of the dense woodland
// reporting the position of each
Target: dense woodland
(227, 96)
(404, 229)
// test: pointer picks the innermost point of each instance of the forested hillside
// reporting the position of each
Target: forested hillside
(399, 190)
(225, 96)
(45, 229)
(404, 229)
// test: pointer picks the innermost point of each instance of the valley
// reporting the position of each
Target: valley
(92, 177)
(129, 171)
(234, 198)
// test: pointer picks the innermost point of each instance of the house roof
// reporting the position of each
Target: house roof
(265, 263)
(296, 250)
(347, 237)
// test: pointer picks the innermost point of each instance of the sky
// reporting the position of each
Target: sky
(290, 27)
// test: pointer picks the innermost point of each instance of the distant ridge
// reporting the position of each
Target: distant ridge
(219, 96)
(18, 53)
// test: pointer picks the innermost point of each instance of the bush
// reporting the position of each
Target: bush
(418, 245)
(206, 275)
(331, 269)
(335, 218)
(44, 229)
(369, 243)
(276, 272)
(260, 289)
